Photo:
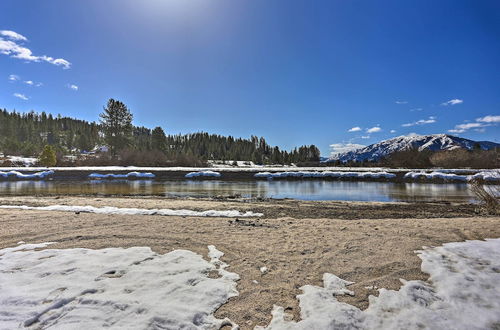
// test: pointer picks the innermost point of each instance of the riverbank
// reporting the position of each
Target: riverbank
(377, 174)
(371, 244)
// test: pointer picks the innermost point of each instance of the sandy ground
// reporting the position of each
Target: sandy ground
(296, 248)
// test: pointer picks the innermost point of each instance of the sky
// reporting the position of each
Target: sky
(334, 73)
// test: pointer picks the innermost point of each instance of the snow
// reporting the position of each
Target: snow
(492, 175)
(202, 173)
(121, 176)
(462, 293)
(433, 142)
(25, 161)
(19, 175)
(115, 288)
(135, 211)
(325, 174)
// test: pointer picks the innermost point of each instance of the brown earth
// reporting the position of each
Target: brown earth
(296, 241)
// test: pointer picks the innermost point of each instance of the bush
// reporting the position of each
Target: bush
(488, 197)
(47, 157)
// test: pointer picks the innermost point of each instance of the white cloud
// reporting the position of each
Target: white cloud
(73, 87)
(465, 127)
(489, 119)
(373, 129)
(29, 82)
(13, 35)
(365, 137)
(416, 109)
(9, 46)
(412, 134)
(393, 131)
(401, 102)
(478, 126)
(20, 96)
(338, 148)
(355, 129)
(431, 120)
(452, 102)
(13, 77)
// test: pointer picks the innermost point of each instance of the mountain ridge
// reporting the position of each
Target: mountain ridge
(433, 142)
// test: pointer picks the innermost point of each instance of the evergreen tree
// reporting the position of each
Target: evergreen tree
(48, 156)
(158, 139)
(116, 121)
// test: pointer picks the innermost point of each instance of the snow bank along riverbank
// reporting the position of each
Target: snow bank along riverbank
(256, 173)
(136, 211)
(136, 288)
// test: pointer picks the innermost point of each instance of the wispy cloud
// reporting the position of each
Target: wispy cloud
(13, 35)
(338, 148)
(373, 129)
(393, 131)
(355, 129)
(452, 102)
(73, 87)
(14, 77)
(365, 137)
(416, 109)
(20, 96)
(431, 120)
(11, 45)
(489, 119)
(29, 82)
(401, 102)
(479, 125)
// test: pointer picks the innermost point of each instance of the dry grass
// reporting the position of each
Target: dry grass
(489, 197)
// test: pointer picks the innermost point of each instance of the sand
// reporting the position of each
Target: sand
(296, 248)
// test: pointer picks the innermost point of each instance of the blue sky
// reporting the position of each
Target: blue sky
(296, 72)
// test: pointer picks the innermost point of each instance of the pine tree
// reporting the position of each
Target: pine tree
(48, 156)
(116, 121)
(158, 139)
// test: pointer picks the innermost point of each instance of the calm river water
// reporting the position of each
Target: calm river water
(304, 190)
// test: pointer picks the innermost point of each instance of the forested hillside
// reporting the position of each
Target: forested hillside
(27, 133)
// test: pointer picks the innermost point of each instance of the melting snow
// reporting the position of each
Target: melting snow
(462, 293)
(114, 288)
(202, 173)
(19, 175)
(135, 211)
(121, 176)
(493, 175)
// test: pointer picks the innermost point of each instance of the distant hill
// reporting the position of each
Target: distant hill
(435, 142)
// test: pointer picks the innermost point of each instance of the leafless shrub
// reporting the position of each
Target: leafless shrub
(488, 197)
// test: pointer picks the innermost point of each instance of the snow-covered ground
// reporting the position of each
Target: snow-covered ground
(113, 288)
(136, 288)
(238, 169)
(491, 175)
(19, 175)
(19, 160)
(121, 176)
(203, 174)
(462, 293)
(135, 211)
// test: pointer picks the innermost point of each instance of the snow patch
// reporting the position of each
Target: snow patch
(462, 293)
(493, 175)
(19, 175)
(116, 288)
(202, 173)
(121, 176)
(134, 211)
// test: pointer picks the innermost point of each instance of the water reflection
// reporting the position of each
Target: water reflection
(304, 190)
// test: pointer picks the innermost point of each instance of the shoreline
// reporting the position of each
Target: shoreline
(369, 243)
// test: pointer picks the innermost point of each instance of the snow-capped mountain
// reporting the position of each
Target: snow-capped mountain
(423, 142)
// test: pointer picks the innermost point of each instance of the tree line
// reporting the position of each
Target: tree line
(27, 134)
